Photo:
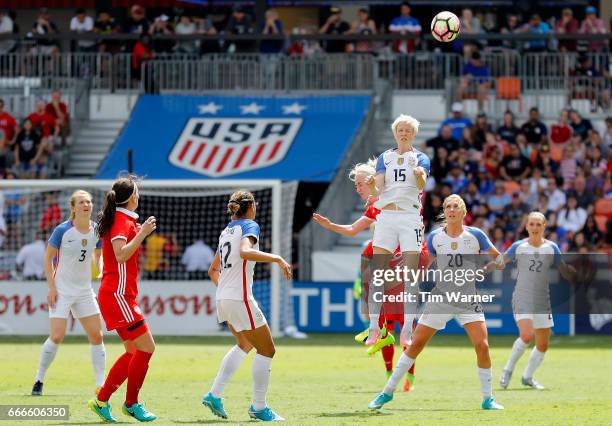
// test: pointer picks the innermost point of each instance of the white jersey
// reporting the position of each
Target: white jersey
(400, 183)
(236, 279)
(531, 293)
(73, 263)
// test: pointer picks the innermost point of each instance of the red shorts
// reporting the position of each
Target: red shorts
(121, 312)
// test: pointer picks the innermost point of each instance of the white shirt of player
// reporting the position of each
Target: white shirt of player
(197, 257)
(236, 279)
(32, 258)
(533, 264)
(73, 265)
(400, 183)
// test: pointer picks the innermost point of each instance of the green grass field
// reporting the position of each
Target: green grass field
(327, 379)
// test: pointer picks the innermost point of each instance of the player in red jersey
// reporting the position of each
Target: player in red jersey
(121, 238)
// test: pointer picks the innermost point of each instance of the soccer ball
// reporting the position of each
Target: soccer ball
(445, 26)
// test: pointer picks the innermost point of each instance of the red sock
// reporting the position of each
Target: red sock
(136, 375)
(387, 353)
(116, 376)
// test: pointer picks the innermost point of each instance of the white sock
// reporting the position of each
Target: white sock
(231, 361)
(400, 370)
(486, 382)
(407, 328)
(98, 361)
(47, 355)
(261, 379)
(535, 359)
(374, 318)
(518, 348)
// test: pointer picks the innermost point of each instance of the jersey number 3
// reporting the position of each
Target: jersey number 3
(227, 245)
(83, 254)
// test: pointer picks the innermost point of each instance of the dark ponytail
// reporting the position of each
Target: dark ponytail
(118, 196)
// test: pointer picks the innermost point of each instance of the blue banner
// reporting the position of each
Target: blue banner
(203, 137)
(329, 307)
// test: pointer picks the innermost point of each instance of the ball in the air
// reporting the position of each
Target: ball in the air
(445, 26)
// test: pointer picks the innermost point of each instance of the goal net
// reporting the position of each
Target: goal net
(189, 213)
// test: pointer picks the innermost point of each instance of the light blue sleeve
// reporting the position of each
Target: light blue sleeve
(423, 161)
(483, 240)
(511, 252)
(55, 240)
(430, 246)
(557, 256)
(250, 228)
(380, 164)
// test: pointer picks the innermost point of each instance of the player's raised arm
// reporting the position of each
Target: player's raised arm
(247, 252)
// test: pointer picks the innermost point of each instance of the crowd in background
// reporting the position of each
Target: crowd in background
(505, 171)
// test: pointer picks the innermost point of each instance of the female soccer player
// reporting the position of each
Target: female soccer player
(121, 238)
(232, 271)
(534, 256)
(451, 245)
(73, 245)
(401, 175)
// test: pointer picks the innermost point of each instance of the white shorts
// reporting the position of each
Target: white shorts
(240, 315)
(81, 306)
(539, 320)
(436, 316)
(398, 228)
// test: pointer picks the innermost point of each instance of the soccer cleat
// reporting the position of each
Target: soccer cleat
(491, 404)
(138, 412)
(102, 409)
(381, 343)
(373, 336)
(531, 382)
(37, 388)
(504, 380)
(215, 405)
(362, 337)
(267, 415)
(409, 383)
(405, 336)
(380, 400)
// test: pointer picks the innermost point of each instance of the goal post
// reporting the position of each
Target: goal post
(187, 210)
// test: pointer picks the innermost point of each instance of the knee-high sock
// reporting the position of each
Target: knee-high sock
(231, 362)
(535, 359)
(47, 355)
(403, 365)
(116, 376)
(486, 382)
(139, 365)
(261, 379)
(518, 348)
(98, 361)
(387, 354)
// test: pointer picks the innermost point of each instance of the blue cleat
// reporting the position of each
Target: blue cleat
(380, 400)
(267, 415)
(102, 409)
(491, 404)
(215, 405)
(138, 412)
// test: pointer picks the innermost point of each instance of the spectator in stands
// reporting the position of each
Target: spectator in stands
(83, 24)
(30, 259)
(44, 26)
(468, 165)
(104, 25)
(457, 122)
(445, 139)
(440, 165)
(196, 259)
(161, 27)
(561, 132)
(30, 159)
(137, 22)
(204, 25)
(528, 194)
(512, 27)
(567, 25)
(474, 80)
(240, 23)
(304, 47)
(44, 123)
(588, 84)
(544, 162)
(568, 165)
(480, 130)
(405, 24)
(186, 26)
(515, 166)
(6, 27)
(273, 26)
(364, 25)
(515, 212)
(142, 54)
(8, 129)
(536, 26)
(572, 217)
(471, 25)
(592, 234)
(584, 198)
(507, 131)
(158, 252)
(498, 201)
(534, 130)
(334, 25)
(52, 215)
(556, 197)
(59, 111)
(580, 125)
(607, 137)
(594, 25)
(456, 179)
(499, 239)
